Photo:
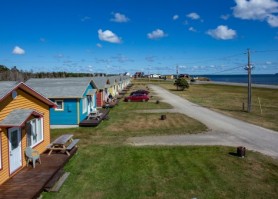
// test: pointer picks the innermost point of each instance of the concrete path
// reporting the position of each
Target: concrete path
(224, 130)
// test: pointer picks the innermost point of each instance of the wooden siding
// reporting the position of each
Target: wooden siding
(111, 90)
(66, 117)
(23, 100)
(84, 115)
(99, 99)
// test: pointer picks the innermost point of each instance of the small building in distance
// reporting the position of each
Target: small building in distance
(138, 75)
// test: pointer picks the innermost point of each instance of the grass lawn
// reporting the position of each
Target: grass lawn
(229, 100)
(106, 167)
(118, 171)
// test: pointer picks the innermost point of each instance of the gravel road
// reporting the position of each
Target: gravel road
(224, 130)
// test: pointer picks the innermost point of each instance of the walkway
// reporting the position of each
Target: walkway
(224, 129)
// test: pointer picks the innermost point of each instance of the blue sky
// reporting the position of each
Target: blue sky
(153, 36)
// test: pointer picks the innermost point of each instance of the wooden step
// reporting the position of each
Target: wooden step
(60, 182)
(53, 180)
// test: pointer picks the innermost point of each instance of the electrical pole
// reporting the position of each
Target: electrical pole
(249, 67)
(177, 68)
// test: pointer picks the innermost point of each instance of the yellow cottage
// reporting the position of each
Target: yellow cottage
(24, 121)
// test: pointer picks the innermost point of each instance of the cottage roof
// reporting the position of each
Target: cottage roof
(5, 87)
(8, 88)
(18, 117)
(100, 82)
(61, 87)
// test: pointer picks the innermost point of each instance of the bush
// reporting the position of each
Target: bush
(181, 83)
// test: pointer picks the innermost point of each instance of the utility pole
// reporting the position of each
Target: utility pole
(249, 68)
(177, 68)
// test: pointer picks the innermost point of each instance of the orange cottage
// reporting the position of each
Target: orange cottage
(24, 121)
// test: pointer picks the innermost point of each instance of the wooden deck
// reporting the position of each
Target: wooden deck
(29, 182)
(93, 121)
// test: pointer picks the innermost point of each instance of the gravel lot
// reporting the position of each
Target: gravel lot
(224, 130)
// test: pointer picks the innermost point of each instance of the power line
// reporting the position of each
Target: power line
(229, 69)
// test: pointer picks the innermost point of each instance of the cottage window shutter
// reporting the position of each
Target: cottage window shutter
(29, 133)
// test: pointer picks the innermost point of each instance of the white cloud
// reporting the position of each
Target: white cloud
(90, 68)
(59, 56)
(119, 18)
(225, 17)
(192, 29)
(222, 32)
(193, 15)
(150, 58)
(86, 18)
(263, 10)
(175, 17)
(99, 45)
(108, 36)
(18, 51)
(272, 20)
(156, 34)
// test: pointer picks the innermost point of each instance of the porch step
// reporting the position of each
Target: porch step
(60, 182)
(56, 181)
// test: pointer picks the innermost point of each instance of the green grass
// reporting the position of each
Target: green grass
(101, 171)
(106, 167)
(143, 105)
(229, 100)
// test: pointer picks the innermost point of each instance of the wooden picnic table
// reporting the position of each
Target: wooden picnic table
(63, 143)
(95, 115)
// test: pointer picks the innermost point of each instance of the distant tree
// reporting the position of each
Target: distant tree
(3, 68)
(181, 83)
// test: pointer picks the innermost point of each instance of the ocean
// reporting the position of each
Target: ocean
(255, 79)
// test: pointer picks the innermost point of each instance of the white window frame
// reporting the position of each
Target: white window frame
(84, 105)
(59, 109)
(38, 127)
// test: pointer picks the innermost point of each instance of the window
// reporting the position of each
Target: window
(34, 130)
(60, 105)
(84, 105)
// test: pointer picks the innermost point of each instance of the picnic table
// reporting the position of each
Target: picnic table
(63, 143)
(94, 115)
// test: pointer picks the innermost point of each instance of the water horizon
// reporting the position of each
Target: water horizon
(267, 79)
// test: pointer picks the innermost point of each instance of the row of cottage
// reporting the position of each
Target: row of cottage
(28, 109)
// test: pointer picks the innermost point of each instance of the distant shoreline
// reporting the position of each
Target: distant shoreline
(256, 79)
(236, 84)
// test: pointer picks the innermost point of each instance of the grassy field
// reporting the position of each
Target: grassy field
(106, 167)
(115, 171)
(229, 100)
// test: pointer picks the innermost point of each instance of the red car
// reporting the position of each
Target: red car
(137, 97)
(140, 92)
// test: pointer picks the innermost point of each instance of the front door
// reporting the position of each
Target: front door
(15, 148)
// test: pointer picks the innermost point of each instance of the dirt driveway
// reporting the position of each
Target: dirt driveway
(224, 130)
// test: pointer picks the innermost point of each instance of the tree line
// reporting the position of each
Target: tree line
(14, 74)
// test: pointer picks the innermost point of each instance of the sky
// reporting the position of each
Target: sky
(150, 36)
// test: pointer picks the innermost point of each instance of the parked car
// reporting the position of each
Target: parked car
(140, 92)
(137, 97)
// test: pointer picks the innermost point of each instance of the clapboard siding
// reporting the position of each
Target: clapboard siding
(99, 99)
(24, 101)
(66, 117)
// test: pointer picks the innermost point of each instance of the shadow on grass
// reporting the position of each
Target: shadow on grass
(171, 89)
(234, 154)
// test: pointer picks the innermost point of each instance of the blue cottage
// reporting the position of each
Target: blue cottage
(75, 98)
